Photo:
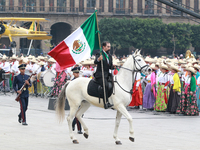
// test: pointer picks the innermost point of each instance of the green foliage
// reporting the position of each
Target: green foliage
(140, 33)
(195, 36)
(181, 34)
(148, 34)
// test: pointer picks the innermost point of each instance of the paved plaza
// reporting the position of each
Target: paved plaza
(152, 132)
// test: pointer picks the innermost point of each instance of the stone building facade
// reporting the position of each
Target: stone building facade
(67, 15)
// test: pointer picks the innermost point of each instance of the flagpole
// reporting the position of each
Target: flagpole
(104, 90)
(29, 47)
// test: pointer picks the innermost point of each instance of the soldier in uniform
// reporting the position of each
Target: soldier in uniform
(107, 66)
(17, 84)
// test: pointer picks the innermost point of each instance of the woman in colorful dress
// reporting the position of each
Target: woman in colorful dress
(137, 92)
(174, 96)
(160, 104)
(149, 93)
(190, 102)
(60, 80)
(197, 67)
(198, 93)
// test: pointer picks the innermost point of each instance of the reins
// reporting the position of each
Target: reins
(133, 71)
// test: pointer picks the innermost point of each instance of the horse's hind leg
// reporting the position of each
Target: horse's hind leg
(84, 106)
(70, 117)
(117, 122)
(122, 109)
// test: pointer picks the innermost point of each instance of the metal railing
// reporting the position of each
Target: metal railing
(160, 12)
(75, 10)
(123, 11)
(41, 9)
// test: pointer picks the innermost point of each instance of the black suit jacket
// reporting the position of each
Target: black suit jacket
(19, 82)
(106, 66)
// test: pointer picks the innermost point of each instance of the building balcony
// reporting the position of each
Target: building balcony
(40, 10)
(121, 11)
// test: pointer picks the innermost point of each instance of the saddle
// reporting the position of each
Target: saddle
(96, 90)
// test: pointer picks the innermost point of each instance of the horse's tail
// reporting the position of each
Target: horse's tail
(60, 103)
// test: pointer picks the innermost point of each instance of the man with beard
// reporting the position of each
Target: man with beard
(107, 66)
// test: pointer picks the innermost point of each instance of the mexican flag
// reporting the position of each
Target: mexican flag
(79, 45)
(33, 26)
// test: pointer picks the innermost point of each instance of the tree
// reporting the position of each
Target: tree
(148, 34)
(181, 33)
(195, 37)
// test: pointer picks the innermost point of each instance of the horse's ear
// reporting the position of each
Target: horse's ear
(136, 51)
(139, 52)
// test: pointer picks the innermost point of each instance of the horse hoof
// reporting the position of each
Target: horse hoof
(85, 135)
(131, 139)
(118, 142)
(75, 142)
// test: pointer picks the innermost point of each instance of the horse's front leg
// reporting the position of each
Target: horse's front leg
(122, 109)
(117, 122)
(70, 117)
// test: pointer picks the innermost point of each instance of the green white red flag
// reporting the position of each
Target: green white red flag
(79, 45)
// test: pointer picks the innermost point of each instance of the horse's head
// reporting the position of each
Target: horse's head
(139, 63)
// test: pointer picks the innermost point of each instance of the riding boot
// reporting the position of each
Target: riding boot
(108, 104)
(105, 105)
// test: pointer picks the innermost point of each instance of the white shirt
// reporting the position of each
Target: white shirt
(187, 79)
(87, 73)
(149, 77)
(5, 66)
(53, 68)
(198, 81)
(34, 68)
(14, 67)
(138, 77)
(161, 78)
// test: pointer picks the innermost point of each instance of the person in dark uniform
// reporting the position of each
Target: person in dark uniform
(75, 71)
(107, 66)
(17, 84)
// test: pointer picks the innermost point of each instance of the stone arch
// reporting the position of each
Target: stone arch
(59, 31)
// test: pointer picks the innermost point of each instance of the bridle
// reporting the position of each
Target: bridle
(135, 62)
(133, 71)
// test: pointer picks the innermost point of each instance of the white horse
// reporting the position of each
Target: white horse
(76, 93)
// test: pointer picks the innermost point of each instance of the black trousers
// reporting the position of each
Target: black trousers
(75, 121)
(35, 86)
(100, 81)
(23, 107)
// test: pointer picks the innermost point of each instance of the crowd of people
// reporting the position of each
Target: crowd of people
(172, 86)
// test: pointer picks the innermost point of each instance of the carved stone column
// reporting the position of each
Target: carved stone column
(135, 5)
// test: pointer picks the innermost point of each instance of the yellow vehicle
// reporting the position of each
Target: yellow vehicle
(33, 33)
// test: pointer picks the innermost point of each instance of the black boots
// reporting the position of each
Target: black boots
(107, 105)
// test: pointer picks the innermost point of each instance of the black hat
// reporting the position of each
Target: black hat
(22, 66)
(76, 70)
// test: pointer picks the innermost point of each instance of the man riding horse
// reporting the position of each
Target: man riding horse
(107, 66)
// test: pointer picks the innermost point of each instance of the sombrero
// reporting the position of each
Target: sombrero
(88, 62)
(41, 63)
(14, 57)
(196, 66)
(163, 66)
(34, 60)
(191, 69)
(174, 67)
(4, 57)
(52, 60)
(153, 66)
